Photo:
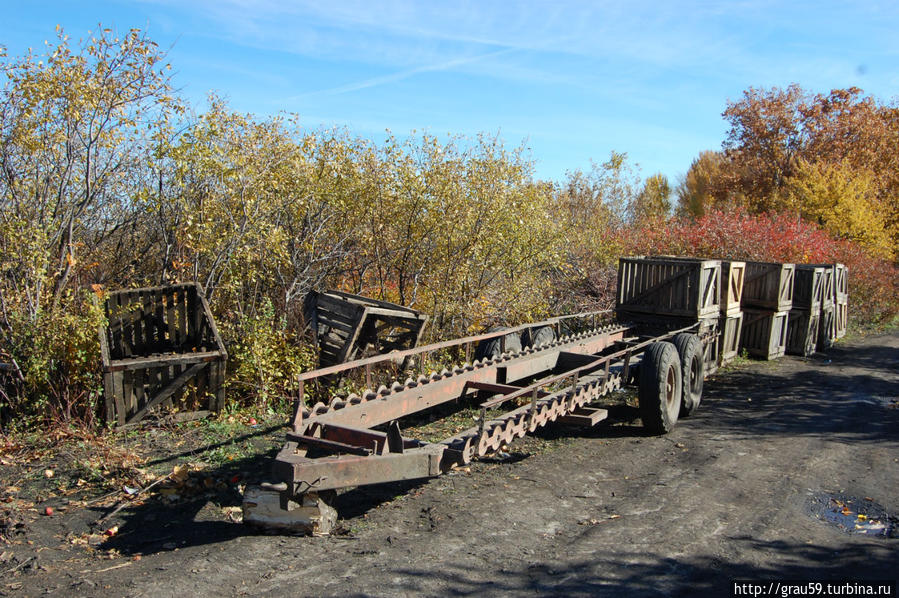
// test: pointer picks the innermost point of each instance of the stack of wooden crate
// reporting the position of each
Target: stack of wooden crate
(731, 321)
(766, 304)
(667, 293)
(805, 315)
(834, 304)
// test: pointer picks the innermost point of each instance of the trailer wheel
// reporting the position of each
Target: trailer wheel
(493, 347)
(660, 391)
(537, 336)
(689, 349)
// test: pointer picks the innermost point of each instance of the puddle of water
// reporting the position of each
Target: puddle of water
(853, 515)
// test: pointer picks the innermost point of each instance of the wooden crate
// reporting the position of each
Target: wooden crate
(808, 287)
(732, 326)
(732, 274)
(669, 287)
(841, 317)
(347, 325)
(840, 281)
(160, 348)
(802, 333)
(768, 286)
(764, 332)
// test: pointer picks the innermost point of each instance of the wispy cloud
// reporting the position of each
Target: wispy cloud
(401, 75)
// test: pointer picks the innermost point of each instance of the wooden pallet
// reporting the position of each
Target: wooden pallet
(802, 333)
(764, 333)
(347, 325)
(768, 286)
(159, 345)
(681, 287)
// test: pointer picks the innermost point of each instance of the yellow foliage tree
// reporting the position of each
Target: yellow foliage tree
(841, 199)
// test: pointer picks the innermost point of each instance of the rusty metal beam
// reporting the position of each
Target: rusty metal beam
(388, 405)
(328, 473)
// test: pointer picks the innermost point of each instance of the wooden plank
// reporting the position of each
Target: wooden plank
(184, 336)
(349, 346)
(168, 391)
(376, 303)
(334, 323)
(138, 383)
(109, 396)
(585, 416)
(171, 319)
(137, 363)
(207, 313)
(130, 294)
(347, 310)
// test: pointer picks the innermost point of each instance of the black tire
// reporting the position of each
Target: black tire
(492, 347)
(690, 350)
(537, 336)
(660, 390)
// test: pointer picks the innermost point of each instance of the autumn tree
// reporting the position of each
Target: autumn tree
(776, 134)
(696, 191)
(75, 124)
(653, 202)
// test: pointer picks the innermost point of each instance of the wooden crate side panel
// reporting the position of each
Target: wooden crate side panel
(785, 290)
(768, 286)
(730, 336)
(669, 287)
(841, 318)
(826, 331)
(711, 289)
(172, 319)
(827, 282)
(188, 386)
(732, 273)
(841, 280)
(808, 287)
(764, 333)
(338, 323)
(802, 333)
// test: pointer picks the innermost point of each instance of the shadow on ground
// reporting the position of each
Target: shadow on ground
(640, 574)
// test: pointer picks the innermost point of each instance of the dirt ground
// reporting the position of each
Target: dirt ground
(765, 482)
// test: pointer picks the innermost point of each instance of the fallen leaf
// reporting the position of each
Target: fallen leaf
(179, 473)
(48, 511)
(862, 517)
(846, 511)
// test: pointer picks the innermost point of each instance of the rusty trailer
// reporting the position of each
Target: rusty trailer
(664, 339)
(357, 440)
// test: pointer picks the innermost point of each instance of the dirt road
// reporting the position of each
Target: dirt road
(737, 491)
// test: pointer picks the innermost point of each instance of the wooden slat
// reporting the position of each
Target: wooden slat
(138, 363)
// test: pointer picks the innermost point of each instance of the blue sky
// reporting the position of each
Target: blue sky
(575, 80)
